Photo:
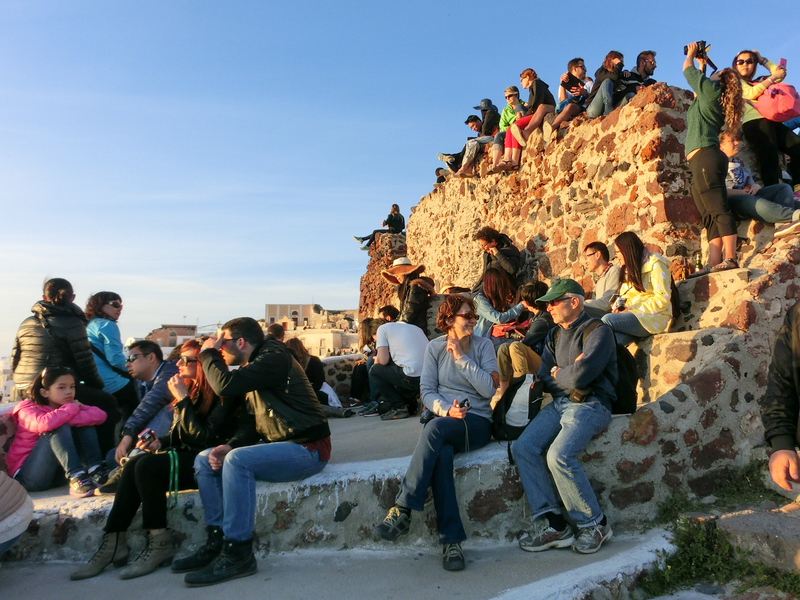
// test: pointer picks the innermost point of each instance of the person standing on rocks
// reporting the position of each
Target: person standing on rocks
(781, 416)
(499, 252)
(579, 369)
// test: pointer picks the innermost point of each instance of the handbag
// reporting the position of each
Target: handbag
(779, 102)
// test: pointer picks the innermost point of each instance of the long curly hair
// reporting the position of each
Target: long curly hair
(731, 100)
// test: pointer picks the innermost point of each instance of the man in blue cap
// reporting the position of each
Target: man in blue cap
(579, 369)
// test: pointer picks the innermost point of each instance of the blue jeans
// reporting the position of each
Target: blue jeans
(603, 102)
(62, 450)
(229, 493)
(6, 545)
(549, 446)
(771, 204)
(432, 466)
(626, 327)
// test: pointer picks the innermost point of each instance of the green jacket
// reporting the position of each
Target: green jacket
(280, 398)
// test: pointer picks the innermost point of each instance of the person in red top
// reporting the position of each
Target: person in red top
(55, 435)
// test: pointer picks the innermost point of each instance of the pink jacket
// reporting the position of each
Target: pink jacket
(33, 419)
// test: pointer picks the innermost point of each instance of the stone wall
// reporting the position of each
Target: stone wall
(339, 372)
(375, 290)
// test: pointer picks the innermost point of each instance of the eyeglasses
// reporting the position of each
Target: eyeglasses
(469, 316)
(230, 339)
(557, 300)
(116, 304)
(588, 254)
(649, 62)
(185, 360)
(133, 357)
(746, 61)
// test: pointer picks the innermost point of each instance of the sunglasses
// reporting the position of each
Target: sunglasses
(747, 61)
(557, 300)
(469, 316)
(116, 304)
(510, 96)
(185, 360)
(133, 357)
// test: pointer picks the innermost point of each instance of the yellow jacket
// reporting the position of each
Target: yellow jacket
(750, 93)
(652, 307)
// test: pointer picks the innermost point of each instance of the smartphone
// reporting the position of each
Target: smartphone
(782, 64)
(571, 82)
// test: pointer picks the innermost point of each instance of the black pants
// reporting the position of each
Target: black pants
(359, 384)
(108, 404)
(145, 481)
(767, 138)
(371, 237)
(397, 389)
(709, 166)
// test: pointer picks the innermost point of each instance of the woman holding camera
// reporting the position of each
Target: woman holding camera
(647, 299)
(459, 378)
(718, 103)
(202, 420)
(766, 138)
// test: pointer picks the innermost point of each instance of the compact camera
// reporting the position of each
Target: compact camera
(619, 304)
(464, 403)
(148, 435)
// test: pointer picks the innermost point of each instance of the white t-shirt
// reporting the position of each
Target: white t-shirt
(406, 344)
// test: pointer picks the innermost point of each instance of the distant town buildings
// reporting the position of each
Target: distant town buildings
(323, 332)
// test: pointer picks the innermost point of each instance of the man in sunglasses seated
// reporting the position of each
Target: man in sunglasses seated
(145, 363)
(579, 369)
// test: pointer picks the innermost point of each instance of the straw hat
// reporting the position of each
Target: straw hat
(401, 266)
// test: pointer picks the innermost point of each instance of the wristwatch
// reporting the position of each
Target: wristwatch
(553, 371)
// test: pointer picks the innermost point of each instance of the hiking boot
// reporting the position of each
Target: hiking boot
(590, 539)
(157, 553)
(396, 523)
(445, 158)
(81, 486)
(452, 557)
(110, 486)
(113, 549)
(544, 537)
(235, 560)
(204, 555)
(394, 414)
(100, 474)
(370, 410)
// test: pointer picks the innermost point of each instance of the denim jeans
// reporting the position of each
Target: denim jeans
(771, 204)
(6, 545)
(432, 466)
(626, 327)
(398, 389)
(549, 446)
(62, 450)
(473, 146)
(603, 102)
(229, 493)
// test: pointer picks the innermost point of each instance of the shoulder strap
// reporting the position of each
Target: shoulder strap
(116, 370)
(590, 328)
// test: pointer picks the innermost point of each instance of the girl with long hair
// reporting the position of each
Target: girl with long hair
(717, 104)
(103, 310)
(601, 99)
(766, 138)
(496, 304)
(56, 436)
(201, 420)
(646, 285)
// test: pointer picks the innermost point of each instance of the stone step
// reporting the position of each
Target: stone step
(770, 537)
(706, 301)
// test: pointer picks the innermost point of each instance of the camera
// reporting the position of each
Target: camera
(702, 48)
(148, 435)
(464, 403)
(619, 304)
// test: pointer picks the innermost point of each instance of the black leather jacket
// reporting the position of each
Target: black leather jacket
(781, 414)
(194, 433)
(55, 336)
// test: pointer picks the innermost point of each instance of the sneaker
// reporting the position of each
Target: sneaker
(452, 557)
(99, 474)
(394, 414)
(447, 158)
(358, 239)
(591, 538)
(395, 524)
(81, 486)
(787, 229)
(544, 537)
(364, 248)
(110, 486)
(370, 410)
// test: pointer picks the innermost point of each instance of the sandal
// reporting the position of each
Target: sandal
(725, 265)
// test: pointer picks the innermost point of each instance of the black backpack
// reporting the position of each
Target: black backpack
(626, 369)
(501, 429)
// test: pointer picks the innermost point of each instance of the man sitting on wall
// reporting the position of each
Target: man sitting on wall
(607, 284)
(486, 128)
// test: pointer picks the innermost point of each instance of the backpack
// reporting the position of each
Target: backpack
(779, 102)
(517, 407)
(626, 370)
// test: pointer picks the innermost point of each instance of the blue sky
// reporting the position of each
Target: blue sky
(205, 158)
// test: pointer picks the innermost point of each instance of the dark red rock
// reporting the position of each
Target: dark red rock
(706, 386)
(708, 417)
(386, 491)
(682, 350)
(492, 501)
(629, 471)
(707, 483)
(638, 493)
(673, 473)
(642, 427)
(690, 437)
(704, 456)
(669, 448)
(740, 317)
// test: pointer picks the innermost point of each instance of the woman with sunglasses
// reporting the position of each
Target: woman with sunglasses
(103, 311)
(55, 336)
(766, 138)
(459, 378)
(202, 420)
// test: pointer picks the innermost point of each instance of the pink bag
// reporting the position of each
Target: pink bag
(779, 102)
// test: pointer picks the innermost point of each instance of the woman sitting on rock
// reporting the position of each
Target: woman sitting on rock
(496, 304)
(458, 367)
(395, 223)
(601, 99)
(648, 299)
(202, 420)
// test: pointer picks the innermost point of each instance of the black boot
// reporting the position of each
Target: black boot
(204, 555)
(236, 560)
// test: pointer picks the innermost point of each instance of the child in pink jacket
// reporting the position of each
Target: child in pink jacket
(55, 435)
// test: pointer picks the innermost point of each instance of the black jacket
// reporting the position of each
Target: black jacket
(281, 402)
(415, 300)
(55, 336)
(507, 259)
(782, 402)
(395, 223)
(537, 332)
(539, 94)
(601, 75)
(191, 432)
(491, 121)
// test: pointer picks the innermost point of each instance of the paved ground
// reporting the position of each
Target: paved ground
(491, 572)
